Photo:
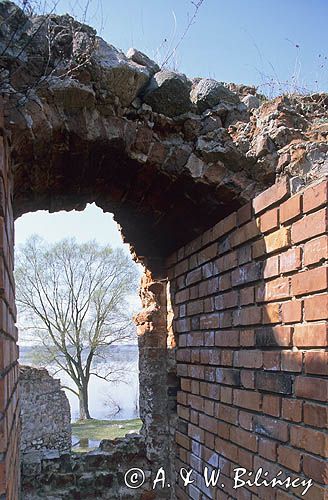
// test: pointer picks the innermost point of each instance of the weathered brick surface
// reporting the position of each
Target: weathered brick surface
(9, 413)
(262, 383)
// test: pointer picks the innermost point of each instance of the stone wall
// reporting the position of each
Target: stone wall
(45, 412)
(89, 476)
(251, 311)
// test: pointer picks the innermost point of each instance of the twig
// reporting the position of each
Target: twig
(197, 6)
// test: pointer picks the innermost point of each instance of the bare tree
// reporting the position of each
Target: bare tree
(73, 298)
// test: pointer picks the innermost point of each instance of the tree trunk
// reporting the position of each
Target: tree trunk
(84, 403)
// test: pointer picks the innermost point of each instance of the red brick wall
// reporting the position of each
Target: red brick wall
(250, 305)
(9, 415)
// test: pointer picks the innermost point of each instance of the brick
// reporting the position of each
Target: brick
(181, 268)
(310, 226)
(195, 307)
(226, 395)
(245, 459)
(315, 196)
(247, 316)
(290, 209)
(315, 250)
(271, 313)
(225, 319)
(247, 399)
(247, 338)
(208, 253)
(313, 280)
(271, 427)
(276, 289)
(247, 296)
(311, 335)
(278, 240)
(311, 388)
(273, 336)
(246, 273)
(291, 361)
(290, 260)
(195, 339)
(225, 282)
(292, 410)
(248, 358)
(208, 287)
(182, 296)
(209, 304)
(209, 321)
(271, 405)
(244, 438)
(316, 469)
(245, 420)
(226, 300)
(289, 457)
(316, 362)
(227, 413)
(268, 449)
(245, 233)
(258, 248)
(182, 440)
(271, 267)
(227, 338)
(244, 213)
(228, 376)
(193, 276)
(316, 415)
(244, 254)
(210, 424)
(291, 312)
(182, 325)
(196, 402)
(247, 379)
(316, 308)
(227, 261)
(270, 196)
(194, 291)
(269, 221)
(225, 226)
(208, 270)
(196, 433)
(274, 382)
(226, 449)
(310, 440)
(271, 360)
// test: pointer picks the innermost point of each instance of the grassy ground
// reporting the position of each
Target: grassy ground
(101, 429)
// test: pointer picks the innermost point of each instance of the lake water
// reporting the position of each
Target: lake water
(105, 398)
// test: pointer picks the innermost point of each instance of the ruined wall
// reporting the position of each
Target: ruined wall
(45, 412)
(88, 476)
(9, 414)
(251, 314)
(170, 157)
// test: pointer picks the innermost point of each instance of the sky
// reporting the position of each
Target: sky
(238, 41)
(241, 41)
(90, 224)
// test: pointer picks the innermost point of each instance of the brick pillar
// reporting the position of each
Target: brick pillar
(155, 371)
(9, 414)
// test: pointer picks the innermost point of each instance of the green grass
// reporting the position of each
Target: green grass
(102, 429)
